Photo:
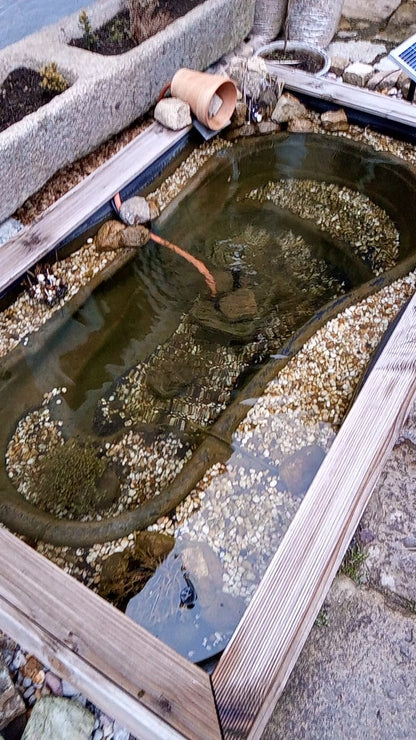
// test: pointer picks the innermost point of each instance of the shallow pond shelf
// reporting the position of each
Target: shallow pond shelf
(155, 693)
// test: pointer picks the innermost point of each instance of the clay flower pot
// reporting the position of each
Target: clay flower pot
(212, 98)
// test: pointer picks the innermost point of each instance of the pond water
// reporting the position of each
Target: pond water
(140, 373)
(19, 18)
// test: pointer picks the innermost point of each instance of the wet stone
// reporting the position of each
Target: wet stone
(135, 236)
(239, 305)
(298, 470)
(109, 236)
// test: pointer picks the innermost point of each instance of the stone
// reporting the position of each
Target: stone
(391, 517)
(153, 209)
(247, 130)
(358, 74)
(404, 16)
(11, 702)
(55, 717)
(239, 116)
(356, 674)
(385, 64)
(403, 84)
(33, 670)
(382, 81)
(9, 228)
(300, 126)
(298, 470)
(335, 120)
(134, 211)
(53, 683)
(108, 236)
(135, 236)
(357, 51)
(287, 108)
(373, 10)
(239, 305)
(173, 113)
(268, 127)
(338, 65)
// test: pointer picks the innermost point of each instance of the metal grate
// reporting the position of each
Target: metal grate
(405, 56)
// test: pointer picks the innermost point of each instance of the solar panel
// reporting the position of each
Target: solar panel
(405, 56)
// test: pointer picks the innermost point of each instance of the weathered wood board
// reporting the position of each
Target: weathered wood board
(257, 662)
(147, 687)
(47, 231)
(367, 101)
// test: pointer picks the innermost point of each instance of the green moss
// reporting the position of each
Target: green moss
(68, 480)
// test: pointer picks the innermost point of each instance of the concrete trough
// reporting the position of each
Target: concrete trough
(107, 93)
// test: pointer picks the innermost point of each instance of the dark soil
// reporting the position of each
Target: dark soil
(114, 37)
(298, 59)
(21, 94)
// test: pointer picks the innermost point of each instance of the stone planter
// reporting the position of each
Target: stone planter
(107, 93)
(314, 21)
(268, 18)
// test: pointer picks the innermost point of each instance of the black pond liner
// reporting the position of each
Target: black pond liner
(385, 179)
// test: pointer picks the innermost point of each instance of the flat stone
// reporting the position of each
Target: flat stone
(358, 74)
(335, 120)
(356, 675)
(300, 126)
(134, 211)
(404, 16)
(373, 10)
(239, 305)
(391, 517)
(55, 717)
(298, 470)
(173, 113)
(287, 108)
(383, 82)
(268, 127)
(357, 51)
(339, 64)
(11, 702)
(387, 65)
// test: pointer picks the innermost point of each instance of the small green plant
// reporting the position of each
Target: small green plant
(52, 80)
(353, 560)
(68, 478)
(90, 38)
(322, 620)
(117, 31)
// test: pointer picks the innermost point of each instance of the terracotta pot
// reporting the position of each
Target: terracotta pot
(212, 98)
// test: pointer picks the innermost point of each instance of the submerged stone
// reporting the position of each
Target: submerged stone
(239, 305)
(297, 472)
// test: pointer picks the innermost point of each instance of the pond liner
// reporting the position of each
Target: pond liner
(25, 519)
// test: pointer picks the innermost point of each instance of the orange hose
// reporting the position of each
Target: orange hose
(209, 279)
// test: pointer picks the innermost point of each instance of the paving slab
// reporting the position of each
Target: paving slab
(375, 10)
(389, 526)
(356, 675)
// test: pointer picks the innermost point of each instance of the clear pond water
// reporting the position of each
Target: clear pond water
(149, 362)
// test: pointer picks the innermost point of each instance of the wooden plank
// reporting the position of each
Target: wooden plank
(132, 676)
(257, 663)
(70, 211)
(368, 101)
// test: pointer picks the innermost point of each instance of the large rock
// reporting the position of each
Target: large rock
(358, 74)
(11, 702)
(287, 108)
(55, 718)
(356, 675)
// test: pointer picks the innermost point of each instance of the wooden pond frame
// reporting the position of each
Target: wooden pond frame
(143, 684)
